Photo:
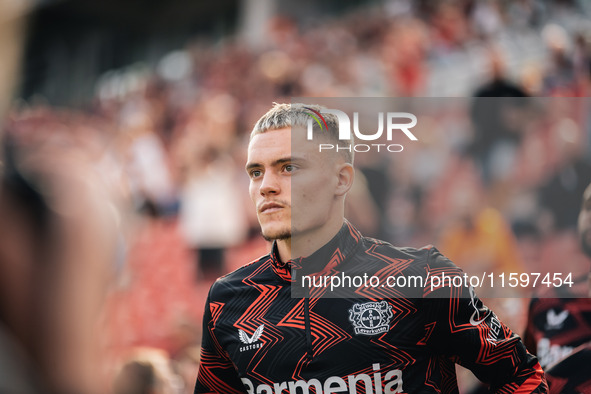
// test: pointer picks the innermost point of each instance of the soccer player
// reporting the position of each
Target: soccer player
(257, 338)
(559, 323)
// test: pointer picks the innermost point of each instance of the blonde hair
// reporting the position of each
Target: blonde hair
(289, 115)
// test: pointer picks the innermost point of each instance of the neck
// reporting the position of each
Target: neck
(284, 249)
(307, 243)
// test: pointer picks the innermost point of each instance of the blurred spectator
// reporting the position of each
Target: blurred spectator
(151, 183)
(487, 17)
(148, 371)
(523, 13)
(135, 378)
(582, 62)
(560, 75)
(186, 364)
(479, 239)
(559, 193)
(404, 55)
(495, 105)
(211, 217)
(449, 25)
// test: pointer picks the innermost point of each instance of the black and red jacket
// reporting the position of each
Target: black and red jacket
(571, 375)
(558, 332)
(258, 339)
(556, 326)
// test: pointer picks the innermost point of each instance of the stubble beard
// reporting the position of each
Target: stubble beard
(280, 236)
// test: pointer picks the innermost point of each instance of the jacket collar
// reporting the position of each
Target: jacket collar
(325, 259)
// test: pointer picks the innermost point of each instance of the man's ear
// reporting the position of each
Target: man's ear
(346, 176)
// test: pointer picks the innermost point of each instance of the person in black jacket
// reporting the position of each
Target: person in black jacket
(279, 324)
(559, 323)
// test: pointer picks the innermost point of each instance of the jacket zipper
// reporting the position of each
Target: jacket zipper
(309, 352)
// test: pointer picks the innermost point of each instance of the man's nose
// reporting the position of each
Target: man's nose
(270, 184)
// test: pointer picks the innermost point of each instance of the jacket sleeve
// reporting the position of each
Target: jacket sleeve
(216, 371)
(470, 334)
(529, 335)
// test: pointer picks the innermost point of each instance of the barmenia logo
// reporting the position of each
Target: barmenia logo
(391, 383)
(395, 121)
(250, 341)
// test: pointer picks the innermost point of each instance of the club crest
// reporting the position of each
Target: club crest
(371, 318)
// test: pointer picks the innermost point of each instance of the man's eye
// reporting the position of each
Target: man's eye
(289, 168)
(255, 173)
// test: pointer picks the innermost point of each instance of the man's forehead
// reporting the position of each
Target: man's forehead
(283, 133)
(270, 140)
(280, 140)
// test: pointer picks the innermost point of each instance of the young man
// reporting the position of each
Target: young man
(258, 339)
(559, 323)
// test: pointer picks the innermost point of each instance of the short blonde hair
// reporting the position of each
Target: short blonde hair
(288, 115)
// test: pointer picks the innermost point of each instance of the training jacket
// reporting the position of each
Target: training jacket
(571, 375)
(559, 320)
(258, 339)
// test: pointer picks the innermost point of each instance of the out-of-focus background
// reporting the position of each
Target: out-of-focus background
(157, 99)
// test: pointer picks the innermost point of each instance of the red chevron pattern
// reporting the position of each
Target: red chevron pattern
(348, 344)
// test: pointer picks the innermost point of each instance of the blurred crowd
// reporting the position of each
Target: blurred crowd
(169, 146)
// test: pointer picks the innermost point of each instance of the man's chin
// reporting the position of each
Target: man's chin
(277, 235)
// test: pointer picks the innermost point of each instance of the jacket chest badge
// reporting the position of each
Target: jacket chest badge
(251, 342)
(371, 318)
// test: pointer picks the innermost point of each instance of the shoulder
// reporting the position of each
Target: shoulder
(235, 282)
(428, 256)
(572, 372)
(384, 259)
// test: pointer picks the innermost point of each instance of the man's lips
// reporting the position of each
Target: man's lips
(269, 207)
